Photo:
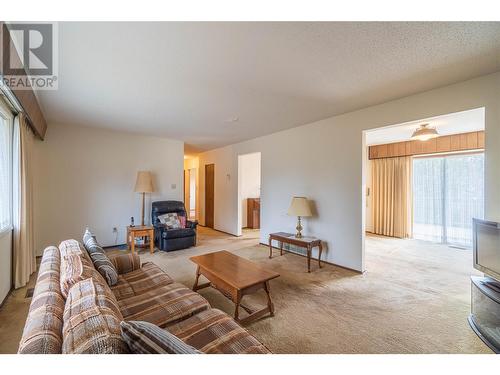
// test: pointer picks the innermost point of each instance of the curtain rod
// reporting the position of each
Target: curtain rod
(11, 99)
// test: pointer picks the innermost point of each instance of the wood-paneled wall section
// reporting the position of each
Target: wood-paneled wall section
(445, 143)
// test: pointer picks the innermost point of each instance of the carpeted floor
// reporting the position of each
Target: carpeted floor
(414, 298)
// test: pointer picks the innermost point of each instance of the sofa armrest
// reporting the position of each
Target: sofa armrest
(125, 263)
(191, 224)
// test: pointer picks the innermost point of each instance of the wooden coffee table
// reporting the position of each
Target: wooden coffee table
(235, 277)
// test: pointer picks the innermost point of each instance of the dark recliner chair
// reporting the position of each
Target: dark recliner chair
(172, 239)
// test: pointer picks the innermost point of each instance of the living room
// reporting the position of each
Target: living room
(221, 202)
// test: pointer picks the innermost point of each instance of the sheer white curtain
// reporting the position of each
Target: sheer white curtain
(5, 168)
(448, 192)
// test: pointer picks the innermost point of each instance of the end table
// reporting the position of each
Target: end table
(141, 231)
(307, 242)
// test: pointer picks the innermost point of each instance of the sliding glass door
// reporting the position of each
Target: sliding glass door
(448, 191)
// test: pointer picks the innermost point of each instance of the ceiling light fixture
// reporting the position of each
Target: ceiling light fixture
(424, 133)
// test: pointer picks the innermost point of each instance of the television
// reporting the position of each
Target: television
(486, 247)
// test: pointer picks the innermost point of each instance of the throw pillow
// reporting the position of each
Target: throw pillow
(147, 338)
(99, 258)
(182, 219)
(171, 220)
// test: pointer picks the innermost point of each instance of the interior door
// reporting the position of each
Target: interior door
(209, 194)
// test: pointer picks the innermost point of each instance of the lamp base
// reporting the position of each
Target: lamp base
(299, 228)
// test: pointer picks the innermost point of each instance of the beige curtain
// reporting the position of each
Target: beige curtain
(24, 253)
(392, 196)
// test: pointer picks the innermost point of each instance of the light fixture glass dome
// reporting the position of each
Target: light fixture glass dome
(424, 133)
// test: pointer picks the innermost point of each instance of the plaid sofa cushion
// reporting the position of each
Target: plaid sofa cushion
(99, 258)
(212, 331)
(163, 305)
(43, 329)
(146, 338)
(75, 266)
(92, 320)
(149, 277)
(125, 263)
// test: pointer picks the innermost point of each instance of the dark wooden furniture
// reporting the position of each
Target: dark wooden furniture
(209, 195)
(253, 213)
(307, 242)
(141, 231)
(235, 277)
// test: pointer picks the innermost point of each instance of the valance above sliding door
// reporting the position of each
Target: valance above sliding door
(392, 196)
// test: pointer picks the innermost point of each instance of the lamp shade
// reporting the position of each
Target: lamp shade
(424, 133)
(144, 182)
(299, 207)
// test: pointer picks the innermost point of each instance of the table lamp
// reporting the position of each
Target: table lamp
(144, 184)
(300, 208)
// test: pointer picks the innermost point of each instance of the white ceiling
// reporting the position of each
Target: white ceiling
(453, 123)
(189, 81)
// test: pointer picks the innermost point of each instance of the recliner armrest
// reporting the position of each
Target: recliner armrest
(125, 263)
(191, 224)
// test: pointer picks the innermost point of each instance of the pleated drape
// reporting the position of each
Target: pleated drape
(24, 252)
(392, 196)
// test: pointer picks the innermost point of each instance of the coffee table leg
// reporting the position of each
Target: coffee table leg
(308, 258)
(281, 247)
(237, 306)
(270, 248)
(195, 286)
(270, 304)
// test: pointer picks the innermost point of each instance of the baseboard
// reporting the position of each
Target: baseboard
(6, 296)
(218, 230)
(304, 256)
(113, 246)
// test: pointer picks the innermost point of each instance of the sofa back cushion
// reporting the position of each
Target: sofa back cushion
(75, 266)
(92, 320)
(147, 338)
(99, 258)
(43, 329)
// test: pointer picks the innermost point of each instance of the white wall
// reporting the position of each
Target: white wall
(325, 162)
(5, 263)
(86, 176)
(249, 175)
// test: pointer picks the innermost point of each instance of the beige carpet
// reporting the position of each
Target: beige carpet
(414, 298)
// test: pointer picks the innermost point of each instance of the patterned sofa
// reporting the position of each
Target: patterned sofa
(73, 309)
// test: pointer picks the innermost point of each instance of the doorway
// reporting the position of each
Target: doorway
(190, 193)
(209, 194)
(249, 186)
(432, 188)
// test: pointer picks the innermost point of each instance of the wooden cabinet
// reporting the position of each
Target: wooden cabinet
(253, 213)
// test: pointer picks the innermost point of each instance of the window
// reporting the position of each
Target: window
(5, 168)
(448, 192)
